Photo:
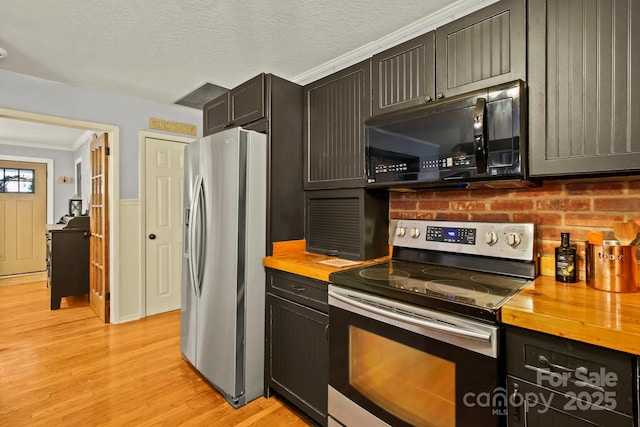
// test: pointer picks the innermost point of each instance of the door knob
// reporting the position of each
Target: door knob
(152, 236)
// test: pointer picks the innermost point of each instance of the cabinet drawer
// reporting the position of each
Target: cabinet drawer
(531, 405)
(303, 290)
(571, 367)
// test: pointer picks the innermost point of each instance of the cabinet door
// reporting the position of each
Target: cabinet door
(335, 109)
(247, 101)
(583, 69)
(404, 75)
(298, 355)
(532, 405)
(485, 48)
(215, 114)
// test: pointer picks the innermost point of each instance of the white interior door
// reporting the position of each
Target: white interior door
(23, 215)
(164, 162)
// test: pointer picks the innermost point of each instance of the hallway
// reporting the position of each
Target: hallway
(67, 368)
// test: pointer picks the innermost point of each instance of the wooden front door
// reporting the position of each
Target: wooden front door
(23, 216)
(99, 214)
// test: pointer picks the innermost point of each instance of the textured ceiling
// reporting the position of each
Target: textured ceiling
(163, 50)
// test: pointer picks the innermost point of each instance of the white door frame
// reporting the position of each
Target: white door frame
(113, 189)
(142, 144)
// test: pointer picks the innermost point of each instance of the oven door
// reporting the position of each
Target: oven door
(400, 365)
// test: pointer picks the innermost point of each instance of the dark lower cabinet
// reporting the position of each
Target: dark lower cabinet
(67, 264)
(539, 406)
(297, 350)
(557, 382)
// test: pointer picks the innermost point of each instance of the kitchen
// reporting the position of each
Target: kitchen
(554, 206)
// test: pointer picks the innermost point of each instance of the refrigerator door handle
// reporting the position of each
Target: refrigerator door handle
(194, 249)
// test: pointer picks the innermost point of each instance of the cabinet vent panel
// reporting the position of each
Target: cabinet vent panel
(337, 111)
(592, 48)
(334, 224)
(479, 51)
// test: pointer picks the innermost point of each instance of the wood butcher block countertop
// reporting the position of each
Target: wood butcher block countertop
(578, 312)
(291, 257)
(574, 310)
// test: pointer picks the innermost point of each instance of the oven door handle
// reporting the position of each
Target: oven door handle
(418, 322)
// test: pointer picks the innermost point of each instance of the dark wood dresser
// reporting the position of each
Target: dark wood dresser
(68, 258)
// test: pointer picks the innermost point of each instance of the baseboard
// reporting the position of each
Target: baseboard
(19, 279)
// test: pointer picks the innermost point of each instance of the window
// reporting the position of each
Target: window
(16, 180)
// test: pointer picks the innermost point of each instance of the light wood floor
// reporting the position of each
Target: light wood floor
(66, 368)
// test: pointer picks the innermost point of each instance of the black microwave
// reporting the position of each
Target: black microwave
(473, 140)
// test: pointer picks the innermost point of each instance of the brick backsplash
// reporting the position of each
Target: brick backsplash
(576, 206)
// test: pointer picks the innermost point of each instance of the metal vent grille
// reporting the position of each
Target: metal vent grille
(202, 95)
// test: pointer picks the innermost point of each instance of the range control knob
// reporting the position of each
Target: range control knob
(401, 231)
(490, 238)
(415, 232)
(513, 239)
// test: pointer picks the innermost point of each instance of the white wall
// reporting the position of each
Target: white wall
(130, 116)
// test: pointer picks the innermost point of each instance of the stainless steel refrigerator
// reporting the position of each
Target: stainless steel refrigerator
(222, 301)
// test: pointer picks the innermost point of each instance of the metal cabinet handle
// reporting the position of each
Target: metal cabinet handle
(428, 98)
(515, 410)
(298, 288)
(439, 95)
(544, 361)
(152, 236)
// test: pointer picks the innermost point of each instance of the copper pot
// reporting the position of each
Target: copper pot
(612, 268)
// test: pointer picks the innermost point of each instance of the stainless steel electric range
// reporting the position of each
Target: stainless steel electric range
(417, 340)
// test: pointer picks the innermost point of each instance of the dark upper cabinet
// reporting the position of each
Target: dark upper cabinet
(404, 75)
(247, 101)
(215, 114)
(482, 49)
(335, 108)
(273, 106)
(583, 70)
(243, 104)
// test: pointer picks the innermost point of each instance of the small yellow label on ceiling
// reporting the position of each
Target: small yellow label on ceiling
(170, 126)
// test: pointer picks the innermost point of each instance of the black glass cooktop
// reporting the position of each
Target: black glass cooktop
(457, 290)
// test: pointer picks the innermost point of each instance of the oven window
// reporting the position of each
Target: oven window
(415, 386)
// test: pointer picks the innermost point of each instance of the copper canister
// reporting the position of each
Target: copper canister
(612, 268)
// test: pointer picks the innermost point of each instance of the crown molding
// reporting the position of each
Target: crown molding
(450, 13)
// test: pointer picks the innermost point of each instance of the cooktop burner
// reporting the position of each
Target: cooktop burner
(431, 281)
(467, 268)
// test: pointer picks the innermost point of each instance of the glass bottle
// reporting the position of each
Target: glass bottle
(565, 260)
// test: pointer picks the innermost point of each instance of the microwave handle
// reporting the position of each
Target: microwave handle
(480, 135)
